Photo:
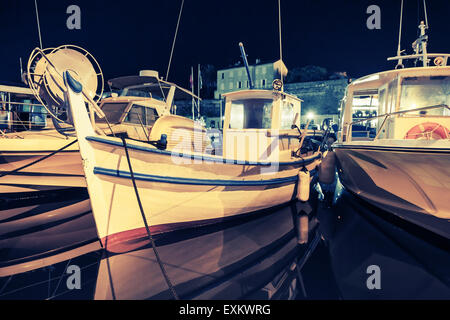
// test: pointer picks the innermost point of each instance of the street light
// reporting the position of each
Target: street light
(310, 115)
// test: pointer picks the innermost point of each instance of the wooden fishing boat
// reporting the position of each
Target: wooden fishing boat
(178, 183)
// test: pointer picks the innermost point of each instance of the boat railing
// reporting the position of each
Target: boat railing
(18, 123)
(386, 116)
(440, 58)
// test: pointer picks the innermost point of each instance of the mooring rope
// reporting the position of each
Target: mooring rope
(152, 241)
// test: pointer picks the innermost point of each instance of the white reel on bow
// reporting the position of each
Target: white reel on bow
(44, 76)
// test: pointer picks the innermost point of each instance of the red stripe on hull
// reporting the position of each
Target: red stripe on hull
(130, 240)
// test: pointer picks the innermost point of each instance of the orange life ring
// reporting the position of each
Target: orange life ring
(429, 131)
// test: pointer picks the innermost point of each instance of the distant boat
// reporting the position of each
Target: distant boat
(404, 167)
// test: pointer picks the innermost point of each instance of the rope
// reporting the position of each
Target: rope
(38, 25)
(174, 38)
(38, 160)
(163, 270)
(400, 31)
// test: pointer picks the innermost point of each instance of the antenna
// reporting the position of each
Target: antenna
(399, 50)
(38, 25)
(425, 11)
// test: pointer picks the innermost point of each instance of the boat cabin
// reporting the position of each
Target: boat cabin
(137, 103)
(405, 103)
(258, 125)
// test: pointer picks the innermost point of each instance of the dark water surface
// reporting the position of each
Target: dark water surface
(354, 252)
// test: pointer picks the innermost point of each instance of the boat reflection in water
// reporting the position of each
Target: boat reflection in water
(259, 258)
(413, 262)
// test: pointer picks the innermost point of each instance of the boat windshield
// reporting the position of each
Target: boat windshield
(113, 112)
(417, 92)
(146, 92)
(251, 114)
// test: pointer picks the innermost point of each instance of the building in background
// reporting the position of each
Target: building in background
(235, 78)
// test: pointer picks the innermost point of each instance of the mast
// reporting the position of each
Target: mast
(244, 58)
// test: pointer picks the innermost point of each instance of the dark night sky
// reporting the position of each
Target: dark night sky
(127, 36)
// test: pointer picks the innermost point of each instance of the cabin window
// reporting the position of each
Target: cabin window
(151, 116)
(136, 115)
(418, 92)
(251, 114)
(287, 115)
(135, 93)
(391, 101)
(21, 112)
(113, 112)
(382, 101)
(364, 106)
(38, 117)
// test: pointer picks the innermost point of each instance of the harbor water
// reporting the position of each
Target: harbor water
(354, 251)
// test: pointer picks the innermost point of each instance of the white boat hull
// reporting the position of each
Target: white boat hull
(44, 208)
(179, 195)
(410, 182)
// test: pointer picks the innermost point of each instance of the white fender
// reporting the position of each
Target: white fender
(303, 183)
